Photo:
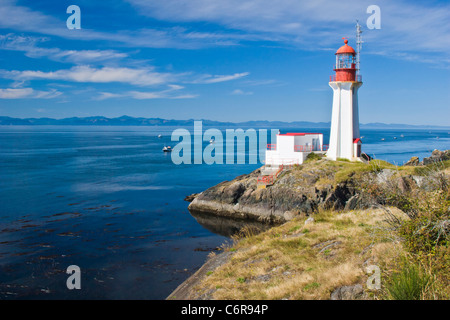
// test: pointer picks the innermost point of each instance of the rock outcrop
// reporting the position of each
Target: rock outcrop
(437, 156)
(303, 190)
(414, 161)
(292, 194)
(355, 292)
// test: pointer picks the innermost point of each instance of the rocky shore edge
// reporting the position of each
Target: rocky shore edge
(303, 193)
(296, 192)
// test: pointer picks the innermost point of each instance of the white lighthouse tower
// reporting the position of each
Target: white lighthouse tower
(344, 135)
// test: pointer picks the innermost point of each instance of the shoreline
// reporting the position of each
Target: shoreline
(338, 200)
(185, 290)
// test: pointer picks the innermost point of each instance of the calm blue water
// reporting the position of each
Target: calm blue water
(110, 201)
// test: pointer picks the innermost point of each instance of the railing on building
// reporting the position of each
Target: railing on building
(301, 148)
(268, 180)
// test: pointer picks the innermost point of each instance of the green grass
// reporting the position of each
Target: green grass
(313, 157)
(310, 286)
(408, 284)
(240, 280)
(425, 170)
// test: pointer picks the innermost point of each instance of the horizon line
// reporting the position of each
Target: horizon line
(232, 122)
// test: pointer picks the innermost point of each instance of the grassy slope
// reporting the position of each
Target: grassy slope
(298, 261)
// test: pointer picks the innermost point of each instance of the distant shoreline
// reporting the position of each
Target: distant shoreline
(139, 121)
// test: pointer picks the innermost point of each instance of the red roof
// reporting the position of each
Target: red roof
(357, 140)
(346, 49)
(296, 133)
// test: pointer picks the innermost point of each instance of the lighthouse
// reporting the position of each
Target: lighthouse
(345, 140)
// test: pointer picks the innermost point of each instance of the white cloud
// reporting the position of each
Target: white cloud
(139, 95)
(145, 95)
(108, 95)
(206, 79)
(408, 28)
(185, 96)
(29, 45)
(21, 18)
(148, 95)
(239, 92)
(46, 94)
(28, 93)
(15, 93)
(17, 17)
(136, 77)
(139, 77)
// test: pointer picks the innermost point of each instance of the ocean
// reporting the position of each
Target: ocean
(108, 200)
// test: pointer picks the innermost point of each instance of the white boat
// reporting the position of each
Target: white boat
(167, 149)
(211, 141)
(159, 136)
(382, 139)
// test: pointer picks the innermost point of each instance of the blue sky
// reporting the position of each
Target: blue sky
(226, 60)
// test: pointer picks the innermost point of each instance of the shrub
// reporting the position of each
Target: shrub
(425, 234)
(313, 157)
(408, 284)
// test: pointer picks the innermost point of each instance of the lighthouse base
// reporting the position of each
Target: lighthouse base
(344, 134)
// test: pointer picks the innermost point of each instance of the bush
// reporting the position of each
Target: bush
(408, 284)
(313, 157)
(425, 234)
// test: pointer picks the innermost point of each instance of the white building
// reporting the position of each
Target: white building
(293, 148)
(345, 141)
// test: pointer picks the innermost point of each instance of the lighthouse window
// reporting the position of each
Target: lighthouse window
(345, 61)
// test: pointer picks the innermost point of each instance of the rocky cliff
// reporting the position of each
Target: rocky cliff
(289, 196)
(326, 256)
(305, 189)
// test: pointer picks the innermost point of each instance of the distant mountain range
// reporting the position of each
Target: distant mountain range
(132, 121)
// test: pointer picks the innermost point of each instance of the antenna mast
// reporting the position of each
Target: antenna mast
(359, 43)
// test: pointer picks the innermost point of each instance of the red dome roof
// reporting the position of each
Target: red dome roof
(346, 49)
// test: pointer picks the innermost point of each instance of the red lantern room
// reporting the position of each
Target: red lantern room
(345, 64)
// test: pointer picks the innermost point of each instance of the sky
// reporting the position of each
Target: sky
(225, 60)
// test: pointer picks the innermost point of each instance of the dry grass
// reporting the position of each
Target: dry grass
(298, 261)
(334, 172)
(309, 261)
